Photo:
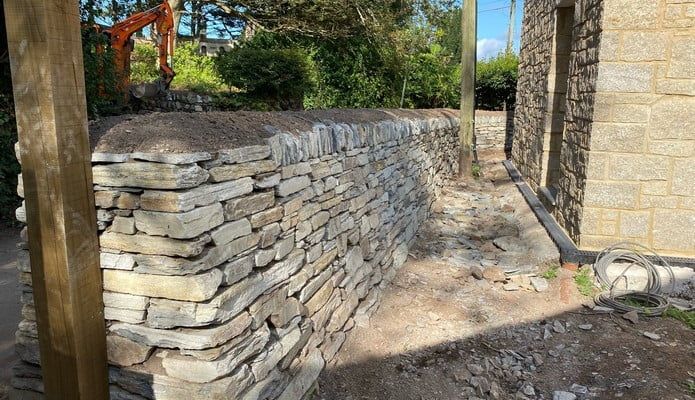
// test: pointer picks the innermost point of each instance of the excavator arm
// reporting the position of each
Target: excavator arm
(120, 36)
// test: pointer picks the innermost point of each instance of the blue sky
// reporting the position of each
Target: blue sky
(493, 23)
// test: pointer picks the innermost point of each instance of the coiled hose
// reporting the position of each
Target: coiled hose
(648, 301)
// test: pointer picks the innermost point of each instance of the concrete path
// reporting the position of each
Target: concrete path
(9, 300)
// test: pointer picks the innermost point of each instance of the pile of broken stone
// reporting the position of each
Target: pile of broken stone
(236, 273)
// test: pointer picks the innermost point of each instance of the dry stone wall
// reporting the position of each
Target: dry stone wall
(494, 130)
(236, 273)
(176, 100)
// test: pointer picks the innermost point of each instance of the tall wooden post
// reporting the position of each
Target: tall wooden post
(468, 59)
(49, 93)
(510, 31)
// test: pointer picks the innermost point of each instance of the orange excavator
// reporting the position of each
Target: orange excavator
(119, 36)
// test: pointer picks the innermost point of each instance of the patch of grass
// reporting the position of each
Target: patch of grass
(476, 170)
(584, 282)
(690, 387)
(687, 317)
(551, 273)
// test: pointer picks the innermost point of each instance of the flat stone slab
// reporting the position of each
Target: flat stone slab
(146, 244)
(149, 175)
(187, 288)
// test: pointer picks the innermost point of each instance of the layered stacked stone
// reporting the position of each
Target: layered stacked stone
(176, 100)
(236, 273)
(627, 120)
(494, 130)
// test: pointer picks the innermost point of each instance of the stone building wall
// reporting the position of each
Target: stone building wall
(235, 273)
(574, 133)
(641, 171)
(626, 113)
(531, 110)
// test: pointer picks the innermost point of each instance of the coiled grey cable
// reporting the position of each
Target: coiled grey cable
(650, 300)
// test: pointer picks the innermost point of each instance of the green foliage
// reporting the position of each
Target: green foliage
(476, 170)
(431, 80)
(278, 78)
(194, 71)
(496, 82)
(551, 273)
(584, 282)
(687, 317)
(9, 167)
(100, 75)
(143, 64)
(355, 72)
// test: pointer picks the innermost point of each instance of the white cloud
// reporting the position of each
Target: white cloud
(488, 47)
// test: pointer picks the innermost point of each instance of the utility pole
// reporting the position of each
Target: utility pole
(468, 60)
(45, 47)
(512, 20)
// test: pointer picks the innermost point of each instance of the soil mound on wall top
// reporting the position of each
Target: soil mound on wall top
(181, 132)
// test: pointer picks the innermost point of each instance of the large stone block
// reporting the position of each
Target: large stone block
(611, 194)
(293, 185)
(673, 231)
(149, 175)
(146, 244)
(684, 178)
(209, 258)
(236, 171)
(672, 118)
(230, 231)
(184, 338)
(628, 14)
(639, 168)
(624, 77)
(185, 225)
(181, 201)
(193, 369)
(190, 288)
(247, 205)
(126, 352)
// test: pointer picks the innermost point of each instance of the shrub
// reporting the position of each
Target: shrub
(143, 64)
(194, 71)
(9, 167)
(100, 77)
(496, 82)
(431, 80)
(355, 72)
(277, 78)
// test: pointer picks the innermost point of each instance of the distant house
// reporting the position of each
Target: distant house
(605, 119)
(211, 46)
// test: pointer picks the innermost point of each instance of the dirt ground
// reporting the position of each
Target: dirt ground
(9, 301)
(441, 333)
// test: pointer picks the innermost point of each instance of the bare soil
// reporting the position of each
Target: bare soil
(181, 132)
(443, 334)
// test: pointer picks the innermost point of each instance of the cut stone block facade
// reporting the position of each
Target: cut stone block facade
(235, 273)
(605, 119)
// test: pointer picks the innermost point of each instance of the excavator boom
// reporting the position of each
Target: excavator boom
(120, 36)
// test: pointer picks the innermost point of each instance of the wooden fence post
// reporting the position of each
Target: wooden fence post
(49, 93)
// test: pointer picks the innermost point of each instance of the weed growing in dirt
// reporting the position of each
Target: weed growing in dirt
(687, 317)
(584, 282)
(551, 273)
(690, 386)
(476, 170)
